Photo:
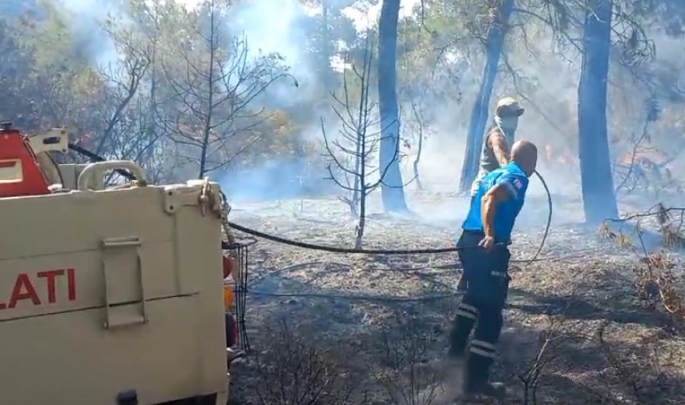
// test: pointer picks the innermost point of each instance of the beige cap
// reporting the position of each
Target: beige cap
(508, 106)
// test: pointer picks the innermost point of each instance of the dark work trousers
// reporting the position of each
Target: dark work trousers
(482, 304)
(462, 280)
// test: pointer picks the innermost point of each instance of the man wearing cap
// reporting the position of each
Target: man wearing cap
(496, 143)
(485, 258)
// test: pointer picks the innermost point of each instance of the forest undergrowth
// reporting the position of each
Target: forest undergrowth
(598, 320)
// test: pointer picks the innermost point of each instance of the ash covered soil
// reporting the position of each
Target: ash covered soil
(377, 326)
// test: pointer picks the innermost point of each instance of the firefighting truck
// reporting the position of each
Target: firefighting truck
(109, 295)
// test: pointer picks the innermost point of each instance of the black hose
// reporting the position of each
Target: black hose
(389, 299)
(97, 158)
(386, 299)
(334, 249)
(550, 209)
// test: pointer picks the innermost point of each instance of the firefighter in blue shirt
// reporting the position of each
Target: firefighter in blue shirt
(485, 260)
(496, 143)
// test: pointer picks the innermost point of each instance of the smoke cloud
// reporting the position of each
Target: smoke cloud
(88, 17)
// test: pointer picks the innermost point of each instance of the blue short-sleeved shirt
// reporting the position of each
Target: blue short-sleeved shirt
(514, 179)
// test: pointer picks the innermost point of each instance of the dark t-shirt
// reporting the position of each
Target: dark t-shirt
(488, 160)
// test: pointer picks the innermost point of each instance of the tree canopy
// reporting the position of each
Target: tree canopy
(229, 86)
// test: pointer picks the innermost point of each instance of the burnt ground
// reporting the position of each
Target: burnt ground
(361, 329)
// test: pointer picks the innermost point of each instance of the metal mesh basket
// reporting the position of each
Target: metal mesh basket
(240, 252)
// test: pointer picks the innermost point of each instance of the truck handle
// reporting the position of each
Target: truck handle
(116, 278)
(99, 169)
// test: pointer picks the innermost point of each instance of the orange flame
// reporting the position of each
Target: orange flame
(563, 158)
(643, 156)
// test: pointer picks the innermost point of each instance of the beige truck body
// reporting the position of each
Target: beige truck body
(104, 291)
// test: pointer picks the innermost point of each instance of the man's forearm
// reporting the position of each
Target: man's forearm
(499, 148)
(488, 210)
(502, 156)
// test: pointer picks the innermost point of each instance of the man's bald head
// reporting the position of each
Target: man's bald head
(526, 155)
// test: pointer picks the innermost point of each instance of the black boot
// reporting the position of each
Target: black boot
(462, 285)
(476, 379)
(461, 330)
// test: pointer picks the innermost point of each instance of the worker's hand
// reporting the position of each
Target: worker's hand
(487, 243)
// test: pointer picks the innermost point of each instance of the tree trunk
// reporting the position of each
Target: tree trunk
(392, 191)
(417, 160)
(599, 199)
(329, 74)
(206, 130)
(479, 114)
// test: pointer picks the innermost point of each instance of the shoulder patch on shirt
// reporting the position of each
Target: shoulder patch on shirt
(518, 183)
